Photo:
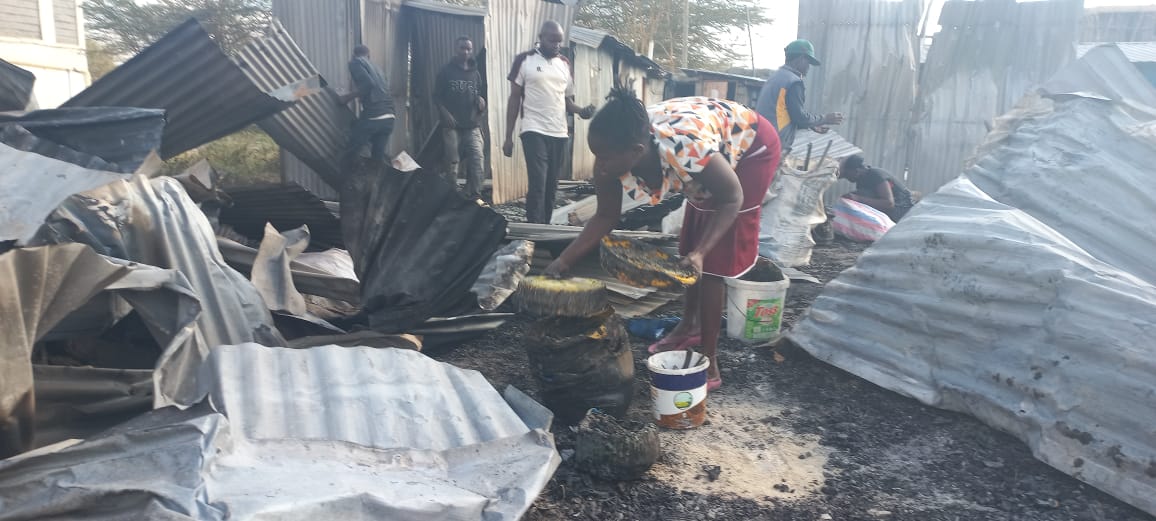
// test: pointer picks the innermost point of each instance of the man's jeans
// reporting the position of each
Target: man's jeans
(544, 156)
(375, 132)
(465, 145)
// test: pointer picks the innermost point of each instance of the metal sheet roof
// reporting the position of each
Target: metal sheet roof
(587, 37)
(599, 39)
(723, 75)
(444, 8)
(1137, 52)
(204, 94)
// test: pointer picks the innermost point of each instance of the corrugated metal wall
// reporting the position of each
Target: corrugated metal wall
(593, 78)
(870, 58)
(384, 31)
(987, 55)
(512, 27)
(326, 32)
(433, 43)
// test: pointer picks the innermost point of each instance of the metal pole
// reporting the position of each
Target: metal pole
(751, 42)
(685, 31)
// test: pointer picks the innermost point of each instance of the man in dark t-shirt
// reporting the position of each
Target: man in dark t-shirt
(876, 188)
(375, 124)
(459, 94)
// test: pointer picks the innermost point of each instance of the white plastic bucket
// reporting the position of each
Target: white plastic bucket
(755, 309)
(679, 395)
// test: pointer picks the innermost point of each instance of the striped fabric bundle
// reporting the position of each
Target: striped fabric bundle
(859, 222)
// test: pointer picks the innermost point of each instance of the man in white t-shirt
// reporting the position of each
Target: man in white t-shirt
(542, 92)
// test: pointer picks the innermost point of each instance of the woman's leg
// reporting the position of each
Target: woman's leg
(711, 295)
(689, 325)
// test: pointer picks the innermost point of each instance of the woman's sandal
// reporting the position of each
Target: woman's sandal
(672, 344)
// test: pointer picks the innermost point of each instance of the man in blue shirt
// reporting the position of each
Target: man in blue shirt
(782, 97)
(375, 123)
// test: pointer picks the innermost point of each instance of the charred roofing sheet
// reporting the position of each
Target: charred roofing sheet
(122, 136)
(204, 94)
(15, 86)
(285, 207)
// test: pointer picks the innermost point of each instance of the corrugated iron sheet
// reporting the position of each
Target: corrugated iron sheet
(384, 30)
(154, 222)
(285, 207)
(21, 139)
(1136, 52)
(32, 186)
(43, 286)
(593, 79)
(1119, 23)
(595, 53)
(123, 136)
(418, 246)
(970, 77)
(435, 28)
(331, 432)
(870, 55)
(326, 32)
(1022, 292)
(511, 28)
(204, 95)
(315, 129)
(15, 86)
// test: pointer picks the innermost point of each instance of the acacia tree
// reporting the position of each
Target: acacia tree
(639, 22)
(125, 27)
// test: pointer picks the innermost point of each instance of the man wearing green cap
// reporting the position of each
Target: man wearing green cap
(781, 100)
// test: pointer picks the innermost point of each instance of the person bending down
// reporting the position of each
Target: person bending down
(722, 156)
(876, 188)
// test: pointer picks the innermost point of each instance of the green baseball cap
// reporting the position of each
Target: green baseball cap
(804, 48)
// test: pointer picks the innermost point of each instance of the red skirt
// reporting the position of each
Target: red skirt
(738, 249)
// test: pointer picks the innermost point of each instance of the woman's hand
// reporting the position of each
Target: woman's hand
(557, 269)
(694, 260)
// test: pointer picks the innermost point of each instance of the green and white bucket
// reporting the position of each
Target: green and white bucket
(755, 309)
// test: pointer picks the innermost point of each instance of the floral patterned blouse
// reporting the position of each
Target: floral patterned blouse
(688, 131)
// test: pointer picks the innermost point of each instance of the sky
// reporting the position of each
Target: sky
(769, 40)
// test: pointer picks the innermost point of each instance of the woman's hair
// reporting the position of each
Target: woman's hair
(854, 162)
(622, 121)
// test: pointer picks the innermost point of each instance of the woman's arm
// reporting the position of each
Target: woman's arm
(726, 195)
(608, 189)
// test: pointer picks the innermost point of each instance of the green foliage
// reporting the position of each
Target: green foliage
(100, 61)
(125, 27)
(638, 22)
(248, 157)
